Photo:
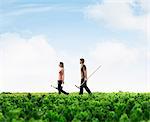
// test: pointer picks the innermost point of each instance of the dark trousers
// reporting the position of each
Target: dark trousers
(60, 88)
(84, 86)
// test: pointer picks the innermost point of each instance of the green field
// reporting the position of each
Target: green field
(51, 107)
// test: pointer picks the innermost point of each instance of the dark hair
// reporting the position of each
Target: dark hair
(62, 64)
(81, 59)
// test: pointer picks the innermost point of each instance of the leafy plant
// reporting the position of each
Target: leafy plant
(99, 107)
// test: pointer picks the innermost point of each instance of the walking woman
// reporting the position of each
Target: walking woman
(61, 78)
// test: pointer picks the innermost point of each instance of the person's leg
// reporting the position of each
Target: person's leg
(59, 87)
(81, 87)
(86, 88)
(64, 92)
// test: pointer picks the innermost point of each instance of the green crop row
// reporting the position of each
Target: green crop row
(99, 107)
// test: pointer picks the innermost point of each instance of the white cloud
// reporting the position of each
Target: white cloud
(145, 5)
(119, 14)
(26, 63)
(30, 64)
(28, 9)
(113, 52)
(22, 9)
(123, 68)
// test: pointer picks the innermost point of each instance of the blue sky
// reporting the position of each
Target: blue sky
(99, 30)
(63, 22)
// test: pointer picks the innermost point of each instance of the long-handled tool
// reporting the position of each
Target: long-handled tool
(89, 76)
(54, 87)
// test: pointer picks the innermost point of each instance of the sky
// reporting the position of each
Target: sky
(35, 35)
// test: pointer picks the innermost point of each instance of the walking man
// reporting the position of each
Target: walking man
(61, 78)
(83, 77)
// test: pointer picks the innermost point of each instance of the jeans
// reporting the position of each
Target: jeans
(84, 85)
(60, 88)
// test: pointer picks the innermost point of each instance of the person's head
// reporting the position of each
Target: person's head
(81, 61)
(61, 64)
